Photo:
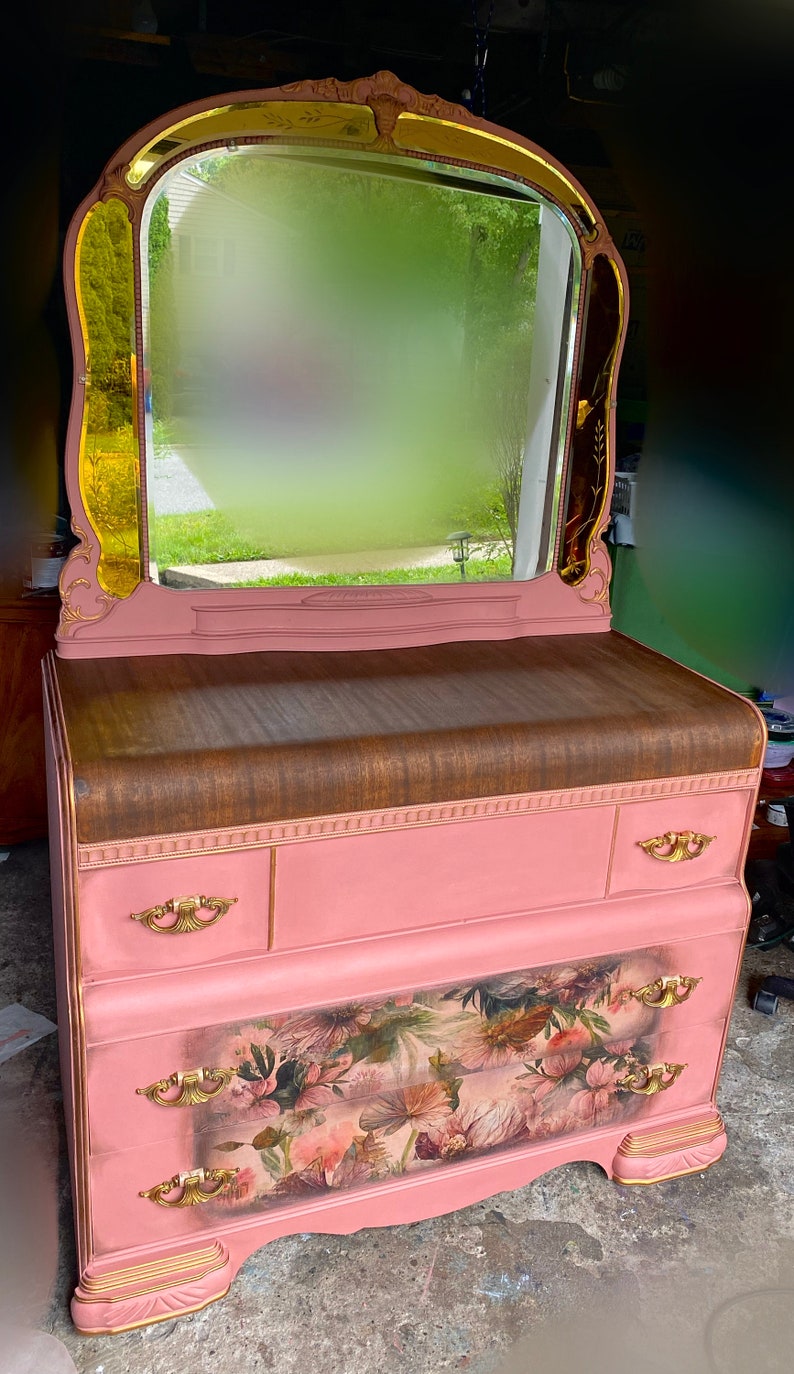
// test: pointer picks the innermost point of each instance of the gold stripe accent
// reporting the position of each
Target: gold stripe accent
(175, 1264)
(673, 1137)
(271, 914)
(663, 1178)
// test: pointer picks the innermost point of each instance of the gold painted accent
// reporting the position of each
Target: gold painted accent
(648, 1079)
(191, 1185)
(206, 1260)
(185, 909)
(666, 992)
(191, 1087)
(672, 1138)
(109, 462)
(582, 411)
(682, 844)
(312, 119)
(445, 138)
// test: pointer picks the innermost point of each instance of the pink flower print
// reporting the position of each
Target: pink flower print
(574, 1037)
(620, 1047)
(253, 1099)
(553, 1071)
(365, 1081)
(323, 1146)
(476, 1126)
(597, 1104)
(424, 1107)
(319, 1033)
(317, 1090)
(492, 1042)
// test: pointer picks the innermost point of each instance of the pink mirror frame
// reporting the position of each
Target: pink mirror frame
(572, 598)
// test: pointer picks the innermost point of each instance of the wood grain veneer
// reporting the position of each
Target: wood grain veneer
(27, 630)
(186, 742)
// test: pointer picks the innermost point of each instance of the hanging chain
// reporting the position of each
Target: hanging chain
(481, 36)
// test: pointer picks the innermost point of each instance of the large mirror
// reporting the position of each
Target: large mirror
(345, 365)
(357, 370)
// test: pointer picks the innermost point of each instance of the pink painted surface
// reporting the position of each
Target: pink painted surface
(235, 990)
(113, 943)
(723, 815)
(156, 620)
(368, 885)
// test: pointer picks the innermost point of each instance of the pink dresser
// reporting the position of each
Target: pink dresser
(386, 876)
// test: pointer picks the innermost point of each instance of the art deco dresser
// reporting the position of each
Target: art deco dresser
(386, 876)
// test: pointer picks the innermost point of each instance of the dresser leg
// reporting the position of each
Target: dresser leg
(671, 1151)
(120, 1299)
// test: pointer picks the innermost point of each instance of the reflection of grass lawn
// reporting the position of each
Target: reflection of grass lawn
(209, 536)
(477, 570)
(205, 536)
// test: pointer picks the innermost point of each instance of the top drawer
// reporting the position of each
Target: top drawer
(679, 841)
(166, 914)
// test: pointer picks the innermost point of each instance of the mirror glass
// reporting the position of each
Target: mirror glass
(110, 477)
(357, 370)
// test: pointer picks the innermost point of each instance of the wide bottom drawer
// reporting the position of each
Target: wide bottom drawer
(277, 1064)
(152, 1193)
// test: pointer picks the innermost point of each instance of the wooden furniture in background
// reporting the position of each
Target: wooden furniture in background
(27, 629)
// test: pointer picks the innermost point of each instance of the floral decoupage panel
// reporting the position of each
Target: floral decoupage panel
(342, 1096)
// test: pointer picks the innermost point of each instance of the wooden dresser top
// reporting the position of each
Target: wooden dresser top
(186, 743)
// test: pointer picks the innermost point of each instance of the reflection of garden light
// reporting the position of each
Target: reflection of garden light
(460, 548)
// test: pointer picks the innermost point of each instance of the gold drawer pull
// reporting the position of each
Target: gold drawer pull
(185, 909)
(666, 992)
(681, 844)
(191, 1185)
(192, 1090)
(651, 1078)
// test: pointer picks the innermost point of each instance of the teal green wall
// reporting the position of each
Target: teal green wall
(635, 614)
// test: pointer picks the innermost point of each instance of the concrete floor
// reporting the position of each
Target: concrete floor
(571, 1273)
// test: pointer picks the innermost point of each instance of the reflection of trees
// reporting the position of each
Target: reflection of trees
(106, 293)
(162, 332)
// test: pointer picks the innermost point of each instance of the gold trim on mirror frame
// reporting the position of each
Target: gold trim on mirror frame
(319, 119)
(681, 845)
(191, 1185)
(185, 909)
(370, 113)
(590, 457)
(109, 469)
(649, 1079)
(666, 992)
(192, 1092)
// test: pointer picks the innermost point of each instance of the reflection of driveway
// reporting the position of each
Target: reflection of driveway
(314, 565)
(173, 489)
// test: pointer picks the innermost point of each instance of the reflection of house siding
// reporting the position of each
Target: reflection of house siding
(224, 255)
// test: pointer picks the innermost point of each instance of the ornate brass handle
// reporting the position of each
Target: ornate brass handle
(191, 1087)
(648, 1079)
(185, 909)
(191, 1185)
(666, 992)
(680, 844)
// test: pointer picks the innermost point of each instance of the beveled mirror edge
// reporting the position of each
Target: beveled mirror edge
(151, 620)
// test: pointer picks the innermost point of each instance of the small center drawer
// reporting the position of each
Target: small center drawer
(365, 885)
